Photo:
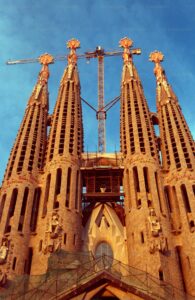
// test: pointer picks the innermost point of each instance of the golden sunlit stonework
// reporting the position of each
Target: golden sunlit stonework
(77, 225)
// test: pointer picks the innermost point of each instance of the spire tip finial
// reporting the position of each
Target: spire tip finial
(73, 44)
(46, 59)
(125, 42)
(156, 56)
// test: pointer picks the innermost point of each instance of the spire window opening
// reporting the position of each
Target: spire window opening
(14, 263)
(35, 209)
(57, 187)
(3, 199)
(29, 261)
(11, 209)
(76, 190)
(23, 209)
(53, 134)
(161, 275)
(193, 188)
(128, 189)
(67, 200)
(167, 191)
(146, 179)
(136, 186)
(25, 142)
(47, 189)
(158, 191)
(65, 238)
(40, 245)
(15, 150)
(185, 198)
(142, 237)
(34, 142)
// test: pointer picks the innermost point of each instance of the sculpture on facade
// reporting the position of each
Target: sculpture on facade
(3, 251)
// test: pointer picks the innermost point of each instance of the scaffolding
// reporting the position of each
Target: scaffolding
(71, 274)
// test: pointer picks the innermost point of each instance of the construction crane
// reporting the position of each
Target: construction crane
(99, 53)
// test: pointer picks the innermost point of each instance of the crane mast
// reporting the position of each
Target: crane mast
(101, 113)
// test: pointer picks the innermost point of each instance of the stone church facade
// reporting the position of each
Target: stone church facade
(132, 213)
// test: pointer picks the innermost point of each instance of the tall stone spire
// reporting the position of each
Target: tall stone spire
(136, 130)
(66, 135)
(142, 179)
(20, 190)
(28, 150)
(60, 217)
(178, 150)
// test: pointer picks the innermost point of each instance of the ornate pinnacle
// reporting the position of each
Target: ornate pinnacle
(159, 72)
(156, 56)
(125, 42)
(73, 44)
(46, 59)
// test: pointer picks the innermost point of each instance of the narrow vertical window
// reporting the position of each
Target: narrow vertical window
(161, 275)
(57, 187)
(11, 209)
(185, 198)
(136, 179)
(193, 187)
(145, 170)
(128, 188)
(29, 261)
(23, 209)
(14, 263)
(167, 190)
(142, 237)
(68, 188)
(35, 209)
(48, 181)
(2, 206)
(76, 192)
(40, 245)
(136, 186)
(74, 239)
(65, 238)
(157, 188)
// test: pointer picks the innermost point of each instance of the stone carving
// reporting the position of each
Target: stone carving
(54, 226)
(3, 251)
(157, 241)
(159, 244)
(53, 234)
(154, 223)
(3, 278)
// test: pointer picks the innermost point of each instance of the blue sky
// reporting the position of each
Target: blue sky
(30, 28)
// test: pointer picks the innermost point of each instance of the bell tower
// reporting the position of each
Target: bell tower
(146, 223)
(59, 220)
(178, 150)
(20, 190)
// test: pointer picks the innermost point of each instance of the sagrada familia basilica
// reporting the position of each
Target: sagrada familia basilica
(78, 225)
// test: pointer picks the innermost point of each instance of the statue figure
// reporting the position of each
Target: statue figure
(54, 226)
(3, 251)
(53, 235)
(162, 244)
(154, 223)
